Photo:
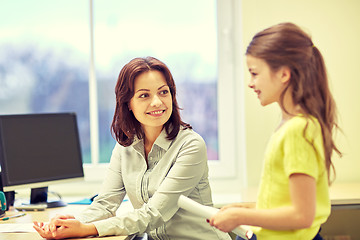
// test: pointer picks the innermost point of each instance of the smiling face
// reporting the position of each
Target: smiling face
(152, 101)
(267, 84)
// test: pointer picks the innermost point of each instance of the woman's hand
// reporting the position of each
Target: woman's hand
(64, 228)
(52, 226)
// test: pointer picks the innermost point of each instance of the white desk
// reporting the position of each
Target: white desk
(340, 194)
(44, 216)
(343, 221)
(345, 193)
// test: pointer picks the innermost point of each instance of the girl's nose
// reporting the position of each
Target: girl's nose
(251, 85)
(156, 102)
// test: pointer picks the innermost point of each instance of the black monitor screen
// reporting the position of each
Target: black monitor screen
(39, 147)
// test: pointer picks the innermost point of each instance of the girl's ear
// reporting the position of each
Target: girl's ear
(285, 74)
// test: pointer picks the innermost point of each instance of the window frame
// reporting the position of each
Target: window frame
(228, 173)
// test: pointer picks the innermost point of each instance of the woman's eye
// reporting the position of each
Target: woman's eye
(144, 95)
(253, 74)
(163, 92)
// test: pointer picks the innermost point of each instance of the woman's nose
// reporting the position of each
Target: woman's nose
(156, 102)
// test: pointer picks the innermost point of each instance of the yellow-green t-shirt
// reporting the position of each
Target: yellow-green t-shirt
(289, 152)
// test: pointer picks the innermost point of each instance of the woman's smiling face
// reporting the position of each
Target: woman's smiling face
(152, 100)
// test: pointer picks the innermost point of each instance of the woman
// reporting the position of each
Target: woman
(157, 158)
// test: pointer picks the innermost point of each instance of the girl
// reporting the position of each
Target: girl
(293, 199)
(157, 158)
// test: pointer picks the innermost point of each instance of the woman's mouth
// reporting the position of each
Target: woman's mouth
(156, 113)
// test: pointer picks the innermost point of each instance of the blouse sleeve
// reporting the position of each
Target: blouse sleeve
(111, 195)
(189, 166)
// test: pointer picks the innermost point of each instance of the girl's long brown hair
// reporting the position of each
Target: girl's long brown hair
(124, 125)
(288, 45)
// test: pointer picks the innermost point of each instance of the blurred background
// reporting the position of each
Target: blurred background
(65, 55)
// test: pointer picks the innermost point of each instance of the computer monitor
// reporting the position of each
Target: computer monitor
(37, 150)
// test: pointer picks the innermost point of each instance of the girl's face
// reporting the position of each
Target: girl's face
(267, 84)
(152, 100)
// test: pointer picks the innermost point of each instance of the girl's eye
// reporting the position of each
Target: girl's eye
(253, 74)
(144, 95)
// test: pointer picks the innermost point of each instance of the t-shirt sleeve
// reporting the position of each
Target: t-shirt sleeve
(300, 152)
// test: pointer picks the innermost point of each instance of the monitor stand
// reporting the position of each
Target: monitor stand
(40, 195)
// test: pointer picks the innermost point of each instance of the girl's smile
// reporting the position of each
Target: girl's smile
(267, 84)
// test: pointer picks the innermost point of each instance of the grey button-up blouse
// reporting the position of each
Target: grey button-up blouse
(174, 167)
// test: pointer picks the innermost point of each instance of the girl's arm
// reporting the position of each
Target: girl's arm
(299, 215)
(242, 205)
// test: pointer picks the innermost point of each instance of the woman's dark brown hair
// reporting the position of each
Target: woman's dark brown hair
(124, 125)
(288, 45)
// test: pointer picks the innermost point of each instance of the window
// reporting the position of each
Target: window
(183, 37)
(44, 67)
(44, 59)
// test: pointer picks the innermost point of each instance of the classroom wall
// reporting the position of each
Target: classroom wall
(334, 26)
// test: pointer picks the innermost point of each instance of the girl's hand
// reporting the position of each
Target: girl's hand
(65, 228)
(226, 219)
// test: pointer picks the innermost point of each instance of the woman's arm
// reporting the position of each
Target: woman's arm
(187, 161)
(178, 172)
(103, 207)
(299, 215)
(66, 228)
(111, 194)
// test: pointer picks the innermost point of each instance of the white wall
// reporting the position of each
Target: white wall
(334, 26)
